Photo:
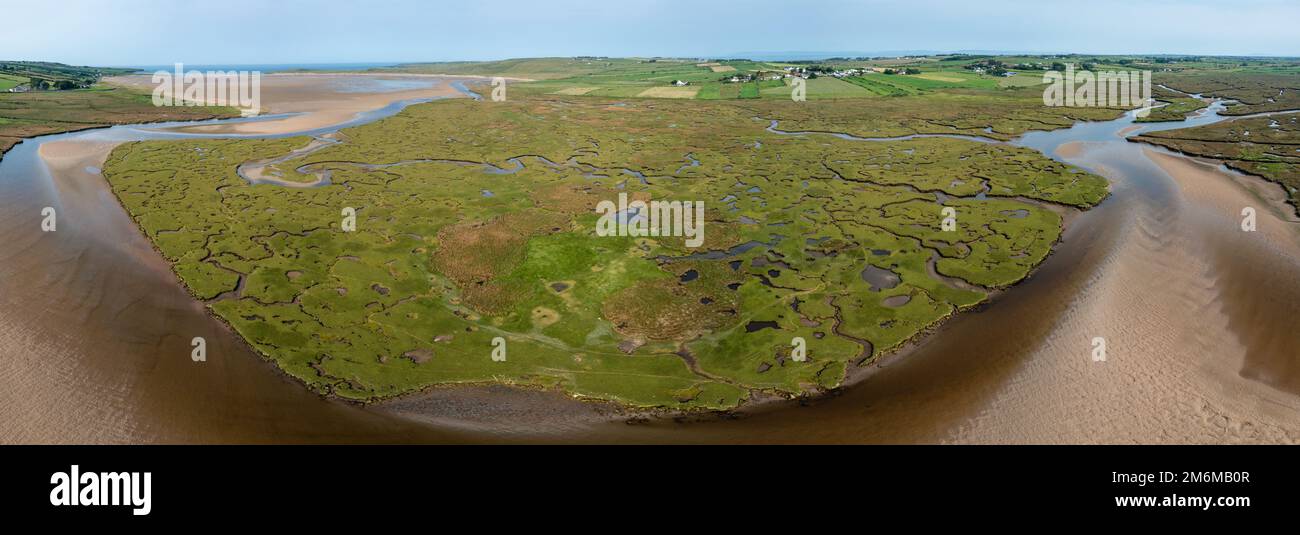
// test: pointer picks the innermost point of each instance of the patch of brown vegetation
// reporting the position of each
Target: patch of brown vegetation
(419, 356)
(474, 254)
(668, 309)
(569, 198)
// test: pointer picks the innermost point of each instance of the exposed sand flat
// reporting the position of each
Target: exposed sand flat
(1129, 130)
(1073, 149)
(1198, 319)
(60, 153)
(320, 100)
(1205, 183)
(400, 74)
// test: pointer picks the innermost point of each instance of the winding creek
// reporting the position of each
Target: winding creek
(1198, 317)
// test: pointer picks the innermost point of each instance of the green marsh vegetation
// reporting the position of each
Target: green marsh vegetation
(475, 220)
(1267, 146)
(1255, 88)
(1175, 109)
(1177, 106)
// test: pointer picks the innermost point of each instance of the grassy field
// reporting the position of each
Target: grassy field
(52, 74)
(8, 81)
(1252, 80)
(487, 229)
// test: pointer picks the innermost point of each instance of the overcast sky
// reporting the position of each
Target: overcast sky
(156, 32)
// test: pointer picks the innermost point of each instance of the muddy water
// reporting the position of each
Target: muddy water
(95, 331)
(1198, 320)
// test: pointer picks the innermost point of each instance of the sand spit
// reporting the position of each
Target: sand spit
(1075, 149)
(317, 100)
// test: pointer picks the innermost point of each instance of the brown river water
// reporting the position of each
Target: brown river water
(1199, 320)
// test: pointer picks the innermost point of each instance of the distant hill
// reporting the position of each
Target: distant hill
(46, 75)
(530, 68)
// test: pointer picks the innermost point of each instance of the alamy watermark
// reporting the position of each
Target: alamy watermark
(349, 222)
(200, 352)
(49, 219)
(237, 89)
(798, 89)
(1248, 221)
(498, 349)
(652, 218)
(498, 89)
(1098, 349)
(799, 349)
(1087, 89)
(97, 489)
(949, 222)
